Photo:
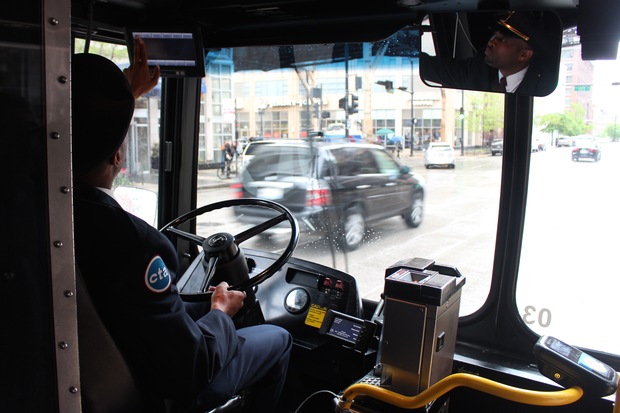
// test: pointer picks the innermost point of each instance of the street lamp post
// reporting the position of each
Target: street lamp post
(616, 114)
(404, 89)
(462, 116)
(412, 114)
(261, 112)
(389, 87)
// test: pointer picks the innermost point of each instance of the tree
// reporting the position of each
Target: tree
(612, 131)
(570, 123)
(485, 112)
(574, 120)
(115, 52)
(552, 122)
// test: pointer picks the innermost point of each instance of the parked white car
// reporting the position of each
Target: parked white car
(439, 154)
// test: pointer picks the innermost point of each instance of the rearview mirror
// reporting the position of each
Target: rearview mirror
(475, 50)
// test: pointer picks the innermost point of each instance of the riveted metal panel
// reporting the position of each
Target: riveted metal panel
(56, 41)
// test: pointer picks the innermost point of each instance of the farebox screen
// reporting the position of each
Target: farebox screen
(344, 329)
(577, 356)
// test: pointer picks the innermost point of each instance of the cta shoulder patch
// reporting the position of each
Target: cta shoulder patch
(157, 277)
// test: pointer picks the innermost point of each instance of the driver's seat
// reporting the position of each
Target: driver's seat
(108, 385)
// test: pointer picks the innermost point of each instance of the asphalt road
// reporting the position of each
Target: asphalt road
(458, 229)
(567, 274)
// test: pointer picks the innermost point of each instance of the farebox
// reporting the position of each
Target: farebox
(420, 319)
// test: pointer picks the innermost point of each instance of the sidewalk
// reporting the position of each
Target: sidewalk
(207, 178)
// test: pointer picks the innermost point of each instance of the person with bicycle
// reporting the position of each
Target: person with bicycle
(228, 154)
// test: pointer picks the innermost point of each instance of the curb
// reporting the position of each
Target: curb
(213, 185)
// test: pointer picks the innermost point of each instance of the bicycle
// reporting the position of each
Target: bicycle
(229, 169)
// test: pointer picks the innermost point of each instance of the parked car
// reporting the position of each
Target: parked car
(497, 147)
(250, 148)
(439, 154)
(586, 148)
(563, 141)
(337, 132)
(333, 188)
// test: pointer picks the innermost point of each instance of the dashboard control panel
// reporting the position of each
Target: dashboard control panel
(297, 297)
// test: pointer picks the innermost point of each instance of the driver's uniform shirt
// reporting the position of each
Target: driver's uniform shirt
(130, 270)
(514, 80)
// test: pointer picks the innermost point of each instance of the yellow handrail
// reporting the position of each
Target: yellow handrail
(532, 397)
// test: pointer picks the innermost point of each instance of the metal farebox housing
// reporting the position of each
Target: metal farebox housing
(422, 300)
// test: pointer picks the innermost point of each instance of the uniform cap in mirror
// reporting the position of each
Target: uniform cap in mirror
(102, 107)
(527, 26)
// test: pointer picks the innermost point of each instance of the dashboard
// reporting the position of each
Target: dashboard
(297, 297)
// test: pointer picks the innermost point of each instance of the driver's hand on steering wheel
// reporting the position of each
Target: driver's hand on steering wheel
(228, 301)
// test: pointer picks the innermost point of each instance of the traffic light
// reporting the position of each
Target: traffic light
(354, 104)
(388, 84)
(461, 114)
(358, 82)
(342, 103)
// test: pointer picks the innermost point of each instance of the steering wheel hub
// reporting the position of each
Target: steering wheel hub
(217, 240)
(221, 244)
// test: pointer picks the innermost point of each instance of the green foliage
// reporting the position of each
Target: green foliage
(115, 52)
(486, 112)
(552, 122)
(122, 179)
(612, 131)
(569, 123)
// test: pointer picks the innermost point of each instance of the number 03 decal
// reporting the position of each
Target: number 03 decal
(541, 317)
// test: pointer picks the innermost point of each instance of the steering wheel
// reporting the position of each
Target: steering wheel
(223, 259)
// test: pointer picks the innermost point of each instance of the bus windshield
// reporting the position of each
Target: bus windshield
(350, 146)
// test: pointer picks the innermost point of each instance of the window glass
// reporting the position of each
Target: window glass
(567, 274)
(386, 164)
(272, 160)
(312, 102)
(136, 185)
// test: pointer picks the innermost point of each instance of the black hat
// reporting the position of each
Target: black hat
(522, 25)
(102, 108)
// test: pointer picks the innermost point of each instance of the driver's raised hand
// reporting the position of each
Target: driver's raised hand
(228, 301)
(139, 76)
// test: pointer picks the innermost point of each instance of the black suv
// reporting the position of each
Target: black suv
(497, 147)
(332, 188)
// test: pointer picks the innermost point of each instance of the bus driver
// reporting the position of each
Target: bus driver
(513, 61)
(183, 352)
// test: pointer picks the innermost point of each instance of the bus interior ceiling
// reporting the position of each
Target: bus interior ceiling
(250, 23)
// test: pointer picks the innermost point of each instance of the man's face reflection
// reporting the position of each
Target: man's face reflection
(508, 54)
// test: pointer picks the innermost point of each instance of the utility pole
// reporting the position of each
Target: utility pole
(346, 90)
(412, 113)
(462, 116)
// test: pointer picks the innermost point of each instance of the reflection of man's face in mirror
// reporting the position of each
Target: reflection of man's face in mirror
(507, 54)
(521, 56)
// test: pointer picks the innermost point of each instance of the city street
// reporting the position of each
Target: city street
(458, 229)
(460, 226)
